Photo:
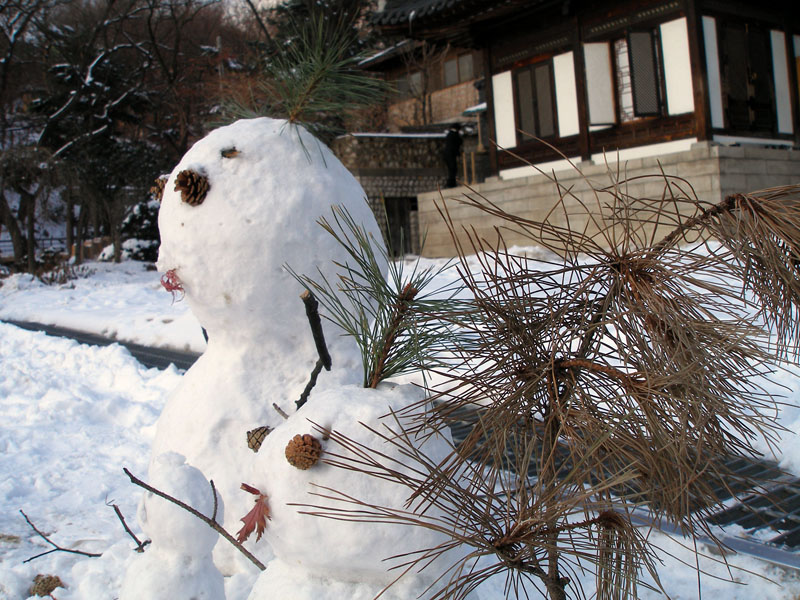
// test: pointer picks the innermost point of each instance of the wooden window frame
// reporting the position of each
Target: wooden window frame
(729, 126)
(456, 59)
(531, 68)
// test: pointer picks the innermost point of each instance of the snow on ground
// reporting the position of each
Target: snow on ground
(95, 304)
(73, 416)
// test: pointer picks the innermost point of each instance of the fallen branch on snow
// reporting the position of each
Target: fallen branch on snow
(56, 547)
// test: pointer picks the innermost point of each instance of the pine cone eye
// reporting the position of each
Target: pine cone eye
(303, 451)
(255, 437)
(193, 187)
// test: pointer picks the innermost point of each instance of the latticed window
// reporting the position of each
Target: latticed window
(624, 78)
(536, 104)
(746, 69)
(458, 70)
(624, 90)
(645, 73)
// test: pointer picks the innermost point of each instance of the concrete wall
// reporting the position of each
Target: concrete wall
(711, 172)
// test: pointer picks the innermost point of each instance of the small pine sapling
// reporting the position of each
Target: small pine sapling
(388, 317)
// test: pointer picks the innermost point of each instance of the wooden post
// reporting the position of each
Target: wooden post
(472, 180)
(697, 59)
(584, 140)
(490, 124)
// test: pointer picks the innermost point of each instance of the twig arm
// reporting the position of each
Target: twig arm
(211, 523)
(139, 545)
(312, 381)
(312, 313)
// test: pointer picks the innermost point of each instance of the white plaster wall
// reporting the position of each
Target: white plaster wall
(780, 71)
(644, 151)
(503, 96)
(566, 94)
(599, 83)
(546, 167)
(712, 68)
(677, 66)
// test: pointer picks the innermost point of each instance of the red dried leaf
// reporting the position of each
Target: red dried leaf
(256, 519)
(172, 284)
(251, 489)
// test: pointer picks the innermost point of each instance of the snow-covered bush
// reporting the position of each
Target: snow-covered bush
(140, 237)
(64, 273)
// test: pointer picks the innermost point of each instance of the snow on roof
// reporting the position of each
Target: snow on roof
(399, 135)
(478, 108)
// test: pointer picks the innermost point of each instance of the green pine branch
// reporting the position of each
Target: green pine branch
(388, 317)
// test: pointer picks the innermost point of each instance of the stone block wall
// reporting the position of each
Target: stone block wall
(394, 166)
(707, 171)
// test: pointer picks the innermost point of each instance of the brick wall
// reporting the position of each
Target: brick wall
(445, 105)
(711, 171)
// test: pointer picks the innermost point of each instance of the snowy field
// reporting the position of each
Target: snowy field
(73, 416)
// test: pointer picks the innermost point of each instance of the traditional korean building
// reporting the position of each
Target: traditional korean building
(705, 89)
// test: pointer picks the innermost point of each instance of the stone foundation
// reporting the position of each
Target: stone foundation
(711, 172)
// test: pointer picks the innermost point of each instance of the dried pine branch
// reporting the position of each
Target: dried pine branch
(618, 371)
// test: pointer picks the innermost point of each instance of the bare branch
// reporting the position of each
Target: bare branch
(210, 522)
(139, 545)
(312, 312)
(56, 547)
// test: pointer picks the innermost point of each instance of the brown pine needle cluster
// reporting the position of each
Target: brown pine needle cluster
(615, 378)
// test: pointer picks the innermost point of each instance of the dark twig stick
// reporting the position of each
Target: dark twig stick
(216, 504)
(312, 312)
(210, 522)
(312, 381)
(139, 545)
(280, 411)
(56, 547)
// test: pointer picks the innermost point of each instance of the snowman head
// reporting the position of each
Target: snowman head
(170, 527)
(242, 203)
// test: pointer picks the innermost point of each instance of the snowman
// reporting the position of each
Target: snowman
(318, 558)
(242, 204)
(171, 567)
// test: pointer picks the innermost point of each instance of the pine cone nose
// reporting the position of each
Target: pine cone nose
(193, 187)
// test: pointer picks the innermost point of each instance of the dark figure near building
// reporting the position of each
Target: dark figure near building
(452, 148)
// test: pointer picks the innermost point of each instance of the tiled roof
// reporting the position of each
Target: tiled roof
(400, 12)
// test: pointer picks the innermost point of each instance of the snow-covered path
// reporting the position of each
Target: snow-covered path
(73, 416)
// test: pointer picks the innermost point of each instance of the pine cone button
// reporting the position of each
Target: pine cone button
(157, 191)
(193, 187)
(44, 585)
(303, 451)
(255, 437)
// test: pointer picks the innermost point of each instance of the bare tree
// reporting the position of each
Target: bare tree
(423, 64)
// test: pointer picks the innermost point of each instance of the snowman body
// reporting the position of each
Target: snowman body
(178, 563)
(319, 558)
(268, 184)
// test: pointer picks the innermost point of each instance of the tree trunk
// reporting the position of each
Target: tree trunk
(117, 239)
(14, 232)
(80, 234)
(70, 225)
(31, 229)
